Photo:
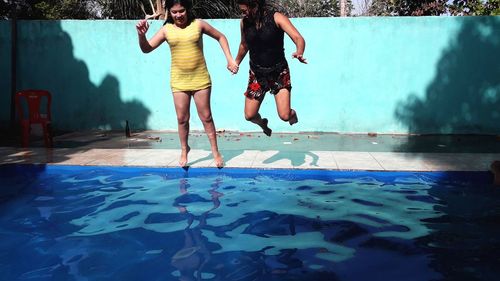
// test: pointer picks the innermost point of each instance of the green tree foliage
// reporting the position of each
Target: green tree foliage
(52, 9)
(131, 9)
(433, 7)
(62, 9)
(121, 9)
(5, 9)
(212, 9)
(311, 8)
(407, 7)
(474, 8)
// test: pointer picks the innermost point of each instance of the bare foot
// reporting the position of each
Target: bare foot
(219, 161)
(265, 128)
(293, 119)
(184, 157)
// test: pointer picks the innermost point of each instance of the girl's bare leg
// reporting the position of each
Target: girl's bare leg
(202, 101)
(285, 112)
(182, 102)
(252, 107)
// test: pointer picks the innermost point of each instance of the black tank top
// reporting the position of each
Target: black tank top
(265, 44)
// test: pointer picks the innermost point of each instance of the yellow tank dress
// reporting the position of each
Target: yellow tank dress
(188, 70)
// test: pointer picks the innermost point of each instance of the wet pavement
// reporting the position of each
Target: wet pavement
(307, 150)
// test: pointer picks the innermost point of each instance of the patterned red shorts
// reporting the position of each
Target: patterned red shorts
(257, 87)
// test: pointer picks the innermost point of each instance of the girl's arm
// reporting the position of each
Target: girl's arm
(243, 49)
(284, 23)
(145, 44)
(217, 35)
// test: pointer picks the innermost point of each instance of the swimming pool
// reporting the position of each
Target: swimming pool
(98, 223)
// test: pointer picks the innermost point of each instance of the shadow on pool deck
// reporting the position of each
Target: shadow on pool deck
(283, 142)
(255, 150)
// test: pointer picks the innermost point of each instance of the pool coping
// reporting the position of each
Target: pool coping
(254, 159)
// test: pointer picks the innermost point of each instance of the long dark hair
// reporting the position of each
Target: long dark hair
(261, 9)
(187, 4)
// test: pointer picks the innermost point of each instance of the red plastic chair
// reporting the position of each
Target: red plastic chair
(34, 116)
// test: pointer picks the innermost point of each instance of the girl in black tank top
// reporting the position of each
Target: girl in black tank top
(262, 33)
(266, 43)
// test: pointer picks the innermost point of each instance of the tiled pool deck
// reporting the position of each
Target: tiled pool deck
(254, 150)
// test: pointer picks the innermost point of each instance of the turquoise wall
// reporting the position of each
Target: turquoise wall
(382, 74)
(5, 78)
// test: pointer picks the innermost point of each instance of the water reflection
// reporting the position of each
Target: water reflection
(226, 227)
(191, 260)
(265, 225)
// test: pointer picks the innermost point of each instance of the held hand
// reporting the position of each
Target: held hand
(142, 27)
(232, 66)
(299, 57)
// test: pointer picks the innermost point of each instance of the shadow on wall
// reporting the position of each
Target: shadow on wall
(46, 61)
(464, 230)
(464, 97)
(77, 103)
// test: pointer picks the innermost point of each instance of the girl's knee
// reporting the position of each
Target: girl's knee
(285, 116)
(206, 119)
(182, 120)
(250, 117)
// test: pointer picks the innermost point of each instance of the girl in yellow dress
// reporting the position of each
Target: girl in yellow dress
(189, 76)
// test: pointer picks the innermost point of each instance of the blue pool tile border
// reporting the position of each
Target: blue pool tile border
(479, 177)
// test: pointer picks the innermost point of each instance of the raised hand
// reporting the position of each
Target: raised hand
(299, 57)
(142, 27)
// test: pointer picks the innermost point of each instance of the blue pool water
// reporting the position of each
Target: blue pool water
(94, 223)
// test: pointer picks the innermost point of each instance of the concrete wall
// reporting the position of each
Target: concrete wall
(5, 72)
(384, 74)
